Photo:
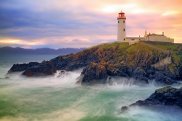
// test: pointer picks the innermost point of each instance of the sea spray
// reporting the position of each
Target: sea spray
(57, 96)
(60, 79)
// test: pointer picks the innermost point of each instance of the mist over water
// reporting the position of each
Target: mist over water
(59, 98)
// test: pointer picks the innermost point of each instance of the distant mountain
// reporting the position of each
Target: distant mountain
(17, 50)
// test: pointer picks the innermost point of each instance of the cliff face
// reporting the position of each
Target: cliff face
(143, 61)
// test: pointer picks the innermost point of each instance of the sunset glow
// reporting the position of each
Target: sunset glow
(84, 23)
(19, 42)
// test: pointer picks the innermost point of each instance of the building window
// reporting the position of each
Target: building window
(118, 21)
(123, 21)
(124, 30)
(124, 38)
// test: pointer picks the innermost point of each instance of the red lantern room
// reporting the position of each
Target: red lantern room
(121, 15)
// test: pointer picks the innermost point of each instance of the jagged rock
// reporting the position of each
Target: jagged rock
(124, 108)
(161, 77)
(166, 96)
(180, 73)
(61, 74)
(43, 69)
(94, 73)
(74, 61)
(162, 63)
(140, 74)
(22, 67)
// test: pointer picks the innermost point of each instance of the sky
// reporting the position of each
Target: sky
(84, 23)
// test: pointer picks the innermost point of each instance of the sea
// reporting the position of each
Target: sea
(60, 98)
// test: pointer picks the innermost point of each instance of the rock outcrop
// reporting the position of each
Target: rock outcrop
(166, 96)
(95, 73)
(45, 68)
(143, 61)
(22, 67)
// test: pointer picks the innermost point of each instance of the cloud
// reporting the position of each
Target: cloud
(19, 42)
(85, 23)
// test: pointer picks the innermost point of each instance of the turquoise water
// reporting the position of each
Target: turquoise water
(59, 98)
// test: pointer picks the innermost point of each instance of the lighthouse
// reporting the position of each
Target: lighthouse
(121, 35)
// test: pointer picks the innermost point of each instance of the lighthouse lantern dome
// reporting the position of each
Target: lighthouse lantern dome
(121, 15)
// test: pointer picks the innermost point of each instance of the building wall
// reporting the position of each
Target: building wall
(121, 35)
(159, 38)
(133, 40)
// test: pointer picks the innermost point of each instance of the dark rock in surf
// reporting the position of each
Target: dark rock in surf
(124, 108)
(22, 67)
(44, 69)
(166, 96)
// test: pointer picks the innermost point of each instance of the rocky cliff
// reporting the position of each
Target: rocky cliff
(143, 61)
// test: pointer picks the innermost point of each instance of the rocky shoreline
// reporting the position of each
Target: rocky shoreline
(143, 61)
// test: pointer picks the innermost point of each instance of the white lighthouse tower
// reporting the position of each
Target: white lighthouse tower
(121, 36)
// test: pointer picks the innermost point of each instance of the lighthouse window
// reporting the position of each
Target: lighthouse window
(123, 21)
(118, 21)
(123, 29)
